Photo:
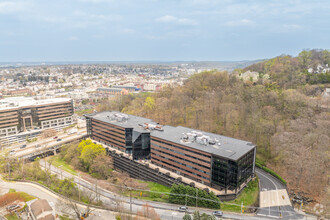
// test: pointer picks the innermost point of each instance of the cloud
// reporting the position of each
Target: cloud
(7, 7)
(73, 38)
(127, 31)
(174, 20)
(242, 22)
(292, 26)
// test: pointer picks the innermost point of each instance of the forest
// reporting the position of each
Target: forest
(286, 115)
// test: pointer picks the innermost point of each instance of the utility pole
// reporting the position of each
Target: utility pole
(242, 207)
(23, 168)
(186, 199)
(130, 199)
(96, 190)
(9, 168)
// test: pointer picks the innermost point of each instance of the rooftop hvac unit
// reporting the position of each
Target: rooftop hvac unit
(191, 136)
(212, 141)
(202, 140)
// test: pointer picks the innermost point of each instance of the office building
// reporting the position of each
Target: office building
(121, 131)
(25, 114)
(218, 161)
(211, 159)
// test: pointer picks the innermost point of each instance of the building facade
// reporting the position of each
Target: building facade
(218, 161)
(214, 160)
(112, 91)
(120, 131)
(22, 114)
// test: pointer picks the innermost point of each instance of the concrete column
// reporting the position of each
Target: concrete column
(254, 159)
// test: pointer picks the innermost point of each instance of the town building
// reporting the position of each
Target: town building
(112, 91)
(128, 88)
(211, 159)
(25, 115)
(40, 209)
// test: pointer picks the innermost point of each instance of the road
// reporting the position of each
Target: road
(165, 210)
(42, 193)
(273, 186)
(47, 143)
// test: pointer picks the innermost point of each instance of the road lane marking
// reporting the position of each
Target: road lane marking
(269, 179)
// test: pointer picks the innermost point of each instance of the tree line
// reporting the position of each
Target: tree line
(286, 119)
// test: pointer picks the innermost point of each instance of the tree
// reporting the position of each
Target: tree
(304, 58)
(89, 153)
(186, 217)
(48, 133)
(147, 212)
(102, 166)
(70, 207)
(181, 193)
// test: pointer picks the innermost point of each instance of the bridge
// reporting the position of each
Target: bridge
(47, 148)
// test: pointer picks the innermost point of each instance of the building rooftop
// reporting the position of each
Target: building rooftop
(39, 206)
(215, 144)
(16, 102)
(109, 89)
(123, 120)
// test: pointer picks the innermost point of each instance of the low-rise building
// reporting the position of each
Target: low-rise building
(40, 209)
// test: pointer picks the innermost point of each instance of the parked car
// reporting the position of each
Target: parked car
(218, 213)
(59, 139)
(183, 208)
(55, 137)
(23, 146)
(12, 152)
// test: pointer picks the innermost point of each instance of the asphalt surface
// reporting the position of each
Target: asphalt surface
(165, 210)
(269, 182)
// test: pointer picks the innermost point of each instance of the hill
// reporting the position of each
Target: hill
(287, 119)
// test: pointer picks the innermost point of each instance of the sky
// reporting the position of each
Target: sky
(160, 30)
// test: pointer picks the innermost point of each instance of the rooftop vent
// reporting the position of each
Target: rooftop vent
(152, 127)
(117, 117)
(199, 138)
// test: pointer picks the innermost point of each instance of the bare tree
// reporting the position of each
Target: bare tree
(48, 133)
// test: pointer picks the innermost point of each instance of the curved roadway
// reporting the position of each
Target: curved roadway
(269, 183)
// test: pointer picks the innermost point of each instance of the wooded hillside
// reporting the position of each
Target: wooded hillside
(289, 124)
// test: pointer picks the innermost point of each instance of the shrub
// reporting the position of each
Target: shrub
(271, 172)
(180, 194)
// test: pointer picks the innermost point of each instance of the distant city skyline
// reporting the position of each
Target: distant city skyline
(159, 30)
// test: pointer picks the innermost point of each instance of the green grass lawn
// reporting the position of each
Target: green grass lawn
(155, 187)
(249, 197)
(57, 162)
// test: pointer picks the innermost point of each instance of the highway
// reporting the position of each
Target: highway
(276, 191)
(44, 144)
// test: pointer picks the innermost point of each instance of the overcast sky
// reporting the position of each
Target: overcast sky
(160, 30)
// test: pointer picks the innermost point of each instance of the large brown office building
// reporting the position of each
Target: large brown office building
(25, 114)
(218, 161)
(127, 133)
(214, 160)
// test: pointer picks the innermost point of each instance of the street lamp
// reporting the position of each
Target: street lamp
(79, 185)
(61, 170)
